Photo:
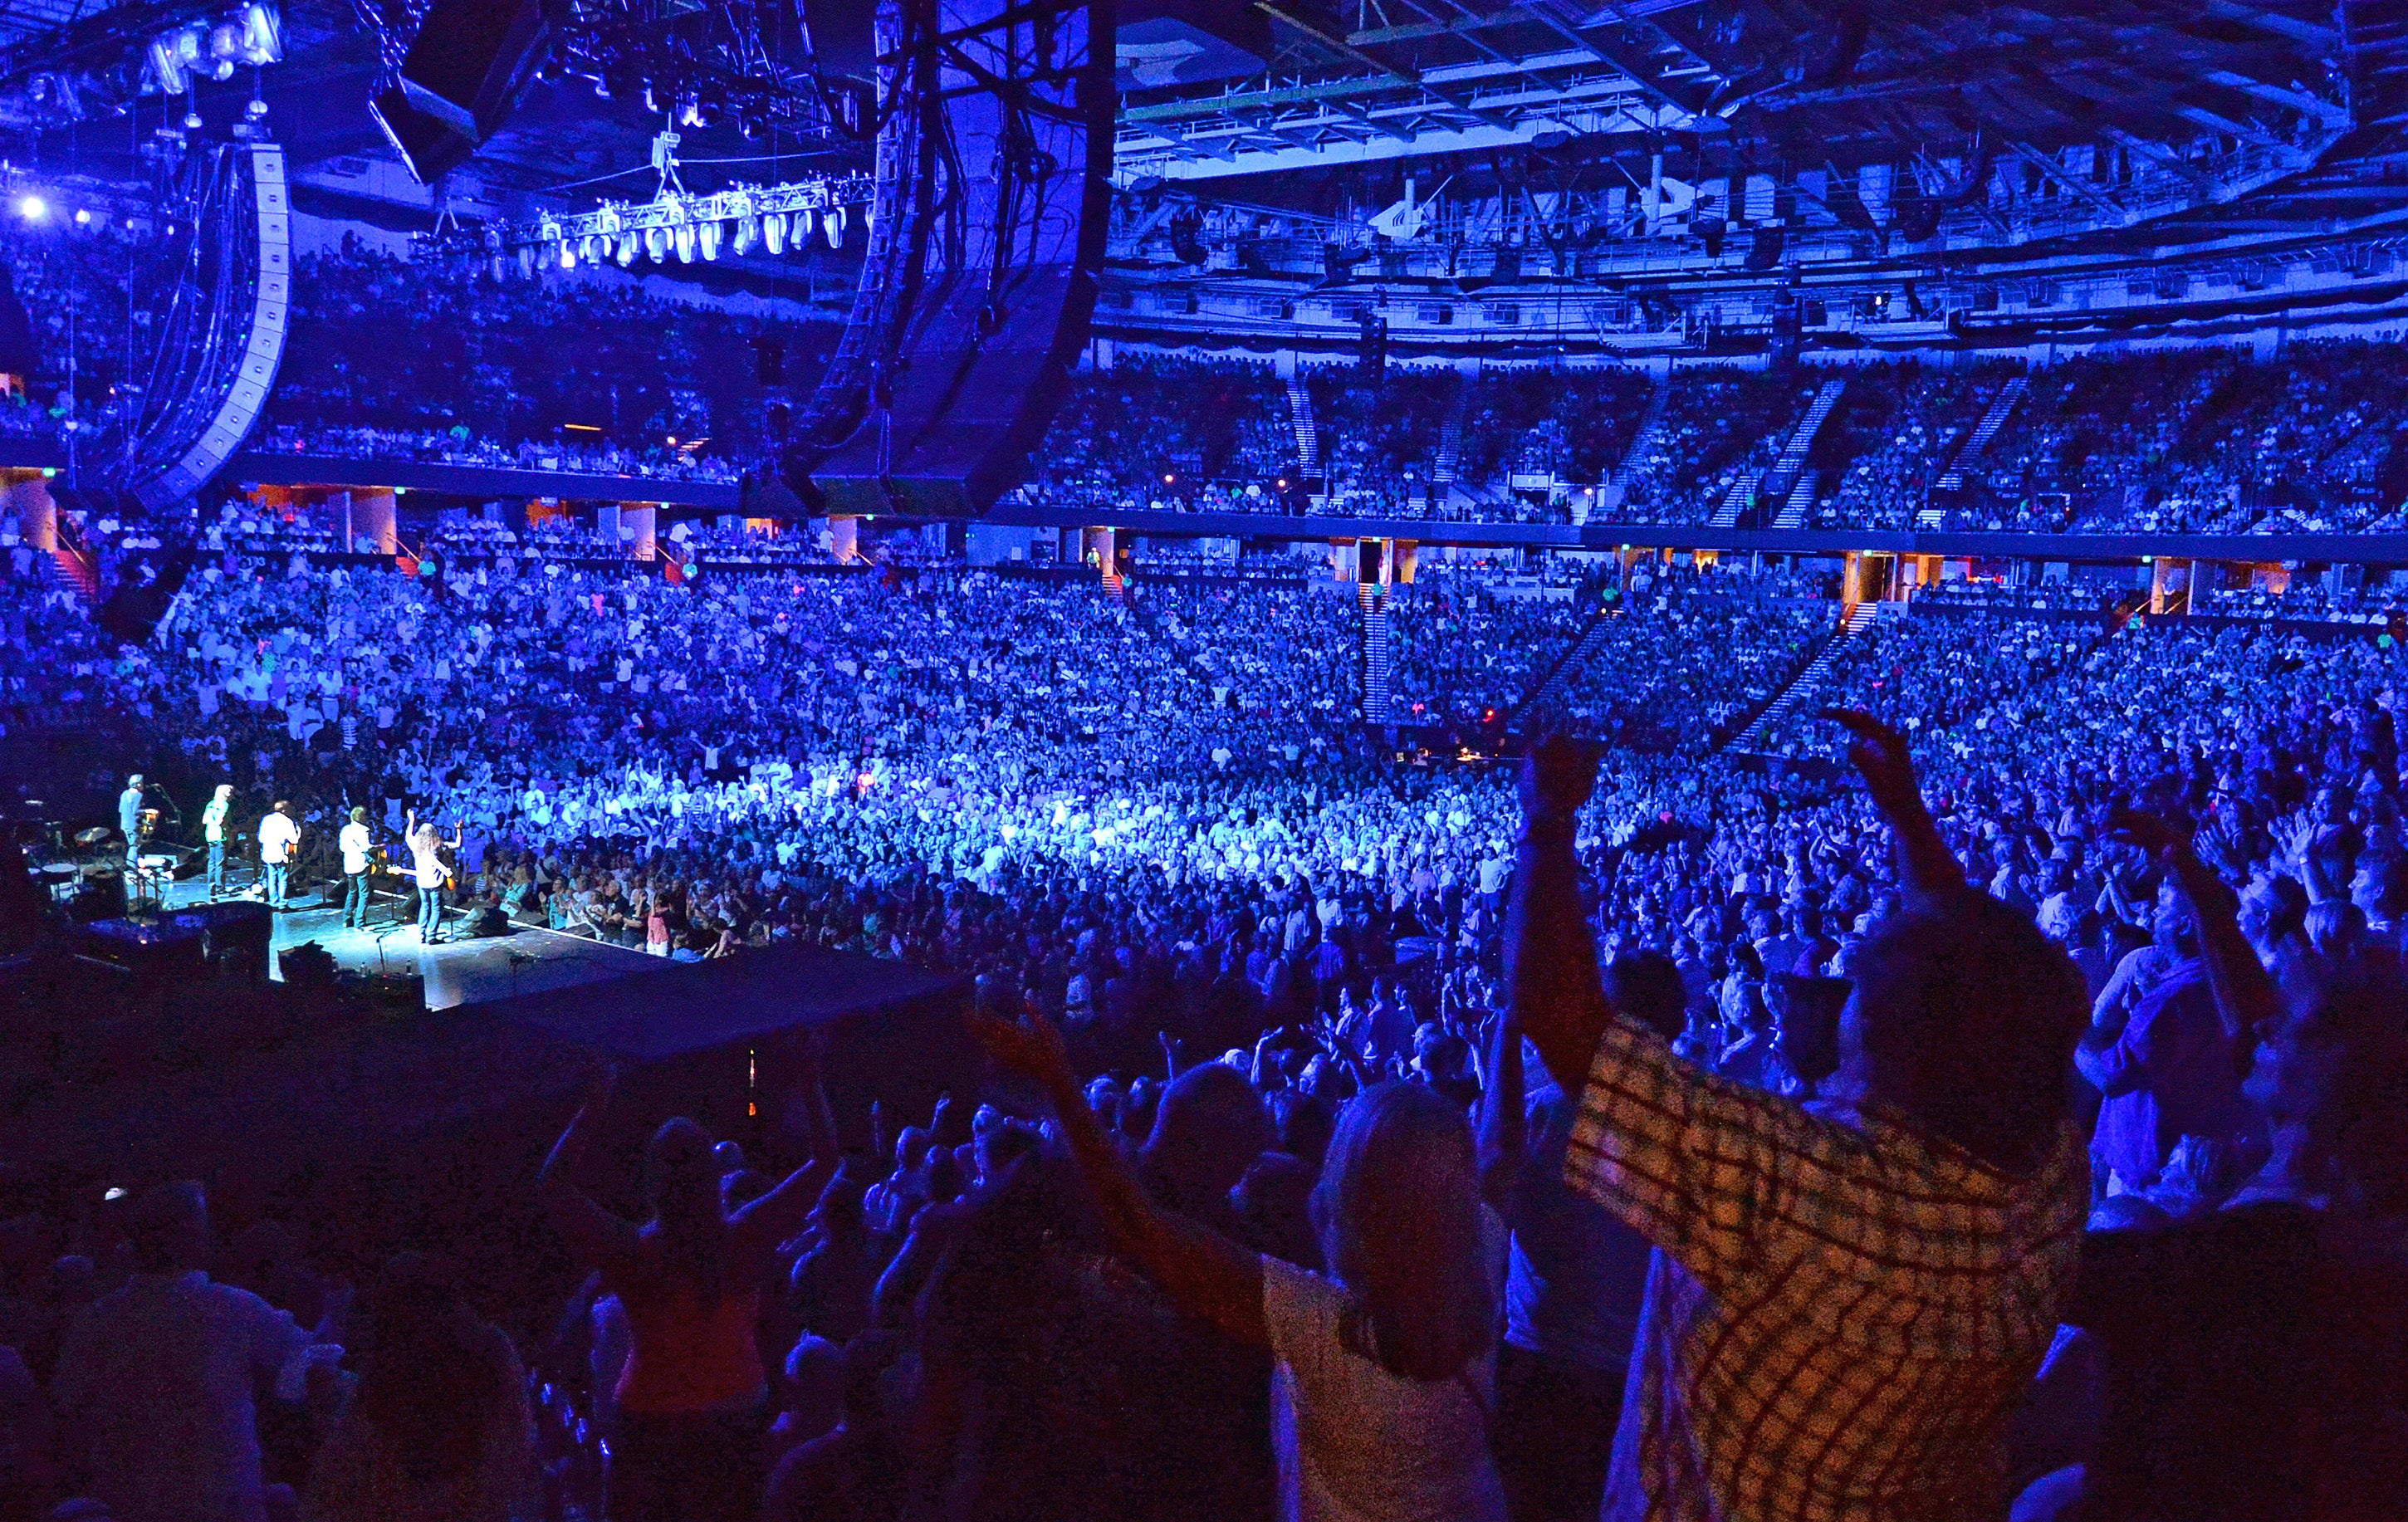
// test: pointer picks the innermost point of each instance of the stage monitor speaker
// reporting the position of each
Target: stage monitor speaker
(995, 192)
(468, 60)
(428, 149)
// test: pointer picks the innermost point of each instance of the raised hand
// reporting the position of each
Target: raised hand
(1031, 1047)
(1879, 754)
(1557, 777)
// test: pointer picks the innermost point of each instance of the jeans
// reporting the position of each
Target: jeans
(217, 867)
(430, 913)
(273, 874)
(355, 898)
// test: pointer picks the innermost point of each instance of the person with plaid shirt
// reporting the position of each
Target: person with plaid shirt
(1859, 1292)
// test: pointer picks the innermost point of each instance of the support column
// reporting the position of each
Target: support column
(638, 522)
(37, 516)
(374, 517)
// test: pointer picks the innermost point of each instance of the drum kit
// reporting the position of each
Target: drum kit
(93, 879)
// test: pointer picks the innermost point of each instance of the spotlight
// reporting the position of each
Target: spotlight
(526, 260)
(627, 251)
(806, 221)
(773, 233)
(83, 219)
(261, 38)
(567, 255)
(706, 238)
(834, 224)
(748, 233)
(685, 241)
(656, 244)
(592, 249)
(32, 208)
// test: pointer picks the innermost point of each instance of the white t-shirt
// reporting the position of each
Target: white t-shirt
(428, 865)
(1358, 1444)
(277, 836)
(354, 841)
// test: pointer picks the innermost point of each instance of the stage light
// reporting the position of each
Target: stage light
(32, 208)
(83, 219)
(748, 233)
(261, 38)
(567, 255)
(592, 249)
(656, 244)
(806, 221)
(773, 233)
(627, 246)
(526, 262)
(685, 241)
(834, 223)
(167, 67)
(706, 238)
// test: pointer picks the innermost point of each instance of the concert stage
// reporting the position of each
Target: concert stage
(526, 961)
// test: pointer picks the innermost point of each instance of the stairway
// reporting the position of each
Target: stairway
(1818, 411)
(1450, 442)
(1806, 683)
(80, 572)
(1115, 585)
(1569, 661)
(1801, 501)
(1379, 658)
(1735, 501)
(2001, 408)
(1651, 423)
(1308, 438)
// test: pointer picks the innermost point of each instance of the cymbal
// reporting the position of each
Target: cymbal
(93, 836)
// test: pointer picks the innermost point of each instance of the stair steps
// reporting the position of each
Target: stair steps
(80, 572)
(2001, 408)
(1651, 423)
(1806, 683)
(1801, 501)
(1735, 501)
(1308, 437)
(1379, 658)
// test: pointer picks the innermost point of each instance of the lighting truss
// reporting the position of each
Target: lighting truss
(676, 224)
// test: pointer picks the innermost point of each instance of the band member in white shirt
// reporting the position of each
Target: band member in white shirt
(355, 845)
(213, 823)
(278, 838)
(129, 818)
(427, 867)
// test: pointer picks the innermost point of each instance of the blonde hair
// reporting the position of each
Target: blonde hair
(1399, 1211)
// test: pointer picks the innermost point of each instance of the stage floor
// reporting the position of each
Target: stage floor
(526, 961)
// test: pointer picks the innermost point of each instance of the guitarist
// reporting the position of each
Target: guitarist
(427, 845)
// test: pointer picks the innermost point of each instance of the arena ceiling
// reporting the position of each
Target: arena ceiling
(1394, 79)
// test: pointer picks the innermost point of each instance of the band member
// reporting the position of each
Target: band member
(278, 838)
(426, 843)
(355, 846)
(129, 818)
(213, 823)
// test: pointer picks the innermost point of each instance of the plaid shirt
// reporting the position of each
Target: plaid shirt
(1861, 1312)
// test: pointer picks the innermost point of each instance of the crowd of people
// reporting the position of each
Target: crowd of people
(1384, 1135)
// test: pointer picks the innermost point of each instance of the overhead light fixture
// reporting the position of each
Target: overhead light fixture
(260, 39)
(32, 208)
(748, 233)
(656, 244)
(834, 224)
(707, 239)
(685, 241)
(773, 233)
